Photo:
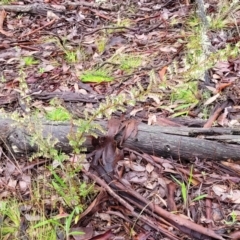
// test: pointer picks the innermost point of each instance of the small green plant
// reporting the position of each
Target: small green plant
(218, 23)
(46, 146)
(185, 188)
(71, 190)
(9, 228)
(71, 56)
(222, 18)
(193, 21)
(29, 61)
(41, 70)
(184, 191)
(56, 223)
(58, 114)
(101, 44)
(185, 96)
(68, 223)
(42, 230)
(96, 76)
(128, 63)
(233, 218)
(3, 79)
(185, 92)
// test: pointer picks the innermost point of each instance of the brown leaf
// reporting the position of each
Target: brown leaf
(3, 14)
(94, 206)
(105, 236)
(113, 127)
(162, 72)
(142, 236)
(130, 129)
(171, 187)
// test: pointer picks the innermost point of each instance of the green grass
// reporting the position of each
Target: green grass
(9, 212)
(67, 195)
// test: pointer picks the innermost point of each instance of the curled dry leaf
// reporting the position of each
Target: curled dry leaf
(152, 119)
(3, 14)
(136, 177)
(168, 49)
(162, 73)
(132, 165)
(227, 194)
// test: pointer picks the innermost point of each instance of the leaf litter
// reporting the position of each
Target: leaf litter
(81, 53)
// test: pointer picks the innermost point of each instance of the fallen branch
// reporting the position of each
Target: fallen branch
(35, 8)
(176, 142)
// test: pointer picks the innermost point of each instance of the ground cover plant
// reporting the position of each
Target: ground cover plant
(119, 119)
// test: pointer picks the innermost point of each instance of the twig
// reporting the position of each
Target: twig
(109, 190)
(40, 28)
(100, 15)
(215, 115)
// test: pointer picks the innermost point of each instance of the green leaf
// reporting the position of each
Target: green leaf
(97, 76)
(199, 197)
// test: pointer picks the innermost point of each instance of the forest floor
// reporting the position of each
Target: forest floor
(165, 63)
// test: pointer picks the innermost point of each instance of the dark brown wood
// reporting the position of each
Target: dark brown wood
(175, 142)
(184, 143)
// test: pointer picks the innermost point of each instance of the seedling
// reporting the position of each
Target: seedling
(221, 19)
(3, 79)
(184, 191)
(29, 61)
(186, 95)
(10, 226)
(70, 188)
(55, 223)
(184, 188)
(96, 76)
(101, 44)
(127, 62)
(71, 56)
(233, 218)
(41, 70)
(58, 114)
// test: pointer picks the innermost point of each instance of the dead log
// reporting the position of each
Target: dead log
(176, 142)
(35, 8)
